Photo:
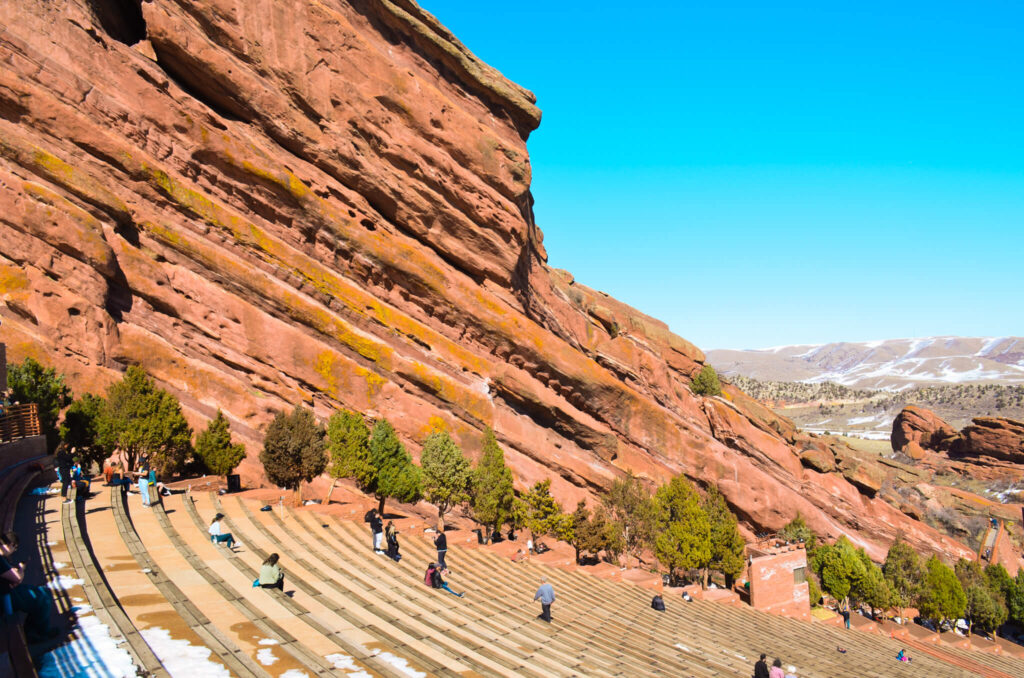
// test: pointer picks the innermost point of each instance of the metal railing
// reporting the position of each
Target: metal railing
(19, 421)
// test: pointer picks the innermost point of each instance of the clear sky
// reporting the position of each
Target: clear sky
(758, 174)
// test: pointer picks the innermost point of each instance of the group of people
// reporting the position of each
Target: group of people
(761, 669)
(434, 576)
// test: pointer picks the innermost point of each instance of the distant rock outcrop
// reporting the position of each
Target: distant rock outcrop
(990, 437)
(923, 427)
(330, 205)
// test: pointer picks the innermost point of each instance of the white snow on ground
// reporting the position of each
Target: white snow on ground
(58, 565)
(267, 641)
(294, 673)
(180, 657)
(92, 654)
(683, 647)
(400, 664)
(861, 420)
(346, 663)
(82, 609)
(266, 656)
(64, 582)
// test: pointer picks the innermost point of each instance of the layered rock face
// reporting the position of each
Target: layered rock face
(988, 440)
(328, 203)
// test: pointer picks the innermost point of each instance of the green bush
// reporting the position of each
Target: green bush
(706, 383)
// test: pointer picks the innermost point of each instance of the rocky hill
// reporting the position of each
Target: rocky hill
(827, 406)
(330, 204)
(895, 364)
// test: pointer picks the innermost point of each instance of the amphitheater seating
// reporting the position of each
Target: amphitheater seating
(346, 610)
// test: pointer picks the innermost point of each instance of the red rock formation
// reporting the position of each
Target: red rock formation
(924, 427)
(998, 438)
(330, 204)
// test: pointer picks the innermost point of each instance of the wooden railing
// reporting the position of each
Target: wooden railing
(19, 421)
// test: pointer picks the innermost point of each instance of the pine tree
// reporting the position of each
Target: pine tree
(631, 510)
(838, 566)
(348, 441)
(79, 429)
(447, 475)
(293, 450)
(870, 586)
(542, 515)
(683, 541)
(393, 473)
(144, 421)
(985, 607)
(942, 596)
(30, 382)
(904, 573)
(797, 530)
(492, 493)
(726, 541)
(215, 449)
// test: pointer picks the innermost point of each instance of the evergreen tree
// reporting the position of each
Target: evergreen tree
(592, 532)
(492, 494)
(1015, 601)
(904, 573)
(870, 587)
(30, 382)
(144, 421)
(985, 608)
(79, 429)
(726, 541)
(447, 475)
(542, 515)
(683, 539)
(348, 441)
(393, 473)
(214, 447)
(706, 383)
(631, 511)
(942, 597)
(797, 530)
(293, 449)
(838, 566)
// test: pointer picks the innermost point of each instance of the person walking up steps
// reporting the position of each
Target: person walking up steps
(546, 595)
(216, 535)
(376, 527)
(441, 542)
(844, 609)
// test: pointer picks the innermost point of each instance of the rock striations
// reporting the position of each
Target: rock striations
(328, 202)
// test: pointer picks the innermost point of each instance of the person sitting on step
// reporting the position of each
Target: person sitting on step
(433, 580)
(658, 603)
(776, 670)
(216, 535)
(16, 596)
(271, 576)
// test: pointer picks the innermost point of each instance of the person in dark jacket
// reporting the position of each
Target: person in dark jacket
(434, 580)
(441, 542)
(761, 668)
(63, 462)
(657, 603)
(391, 536)
(377, 528)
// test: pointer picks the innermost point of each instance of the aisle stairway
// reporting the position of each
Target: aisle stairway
(348, 611)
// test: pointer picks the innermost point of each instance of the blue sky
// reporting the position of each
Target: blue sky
(761, 175)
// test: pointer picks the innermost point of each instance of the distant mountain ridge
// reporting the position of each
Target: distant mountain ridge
(893, 364)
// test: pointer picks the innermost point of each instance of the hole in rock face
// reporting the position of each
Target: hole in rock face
(121, 19)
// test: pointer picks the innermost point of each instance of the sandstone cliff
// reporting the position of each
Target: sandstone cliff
(328, 202)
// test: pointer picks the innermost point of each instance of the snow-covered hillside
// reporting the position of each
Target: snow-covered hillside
(894, 364)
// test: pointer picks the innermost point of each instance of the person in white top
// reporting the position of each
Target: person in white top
(216, 535)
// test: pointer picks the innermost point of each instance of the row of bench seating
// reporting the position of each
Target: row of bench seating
(347, 611)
